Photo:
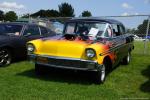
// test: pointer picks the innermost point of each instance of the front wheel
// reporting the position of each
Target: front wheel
(5, 57)
(101, 75)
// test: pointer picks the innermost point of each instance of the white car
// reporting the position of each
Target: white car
(137, 38)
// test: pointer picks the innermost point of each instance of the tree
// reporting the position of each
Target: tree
(46, 13)
(66, 10)
(1, 15)
(131, 31)
(52, 13)
(142, 28)
(86, 14)
(11, 16)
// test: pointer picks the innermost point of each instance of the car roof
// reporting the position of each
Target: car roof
(17, 23)
(110, 21)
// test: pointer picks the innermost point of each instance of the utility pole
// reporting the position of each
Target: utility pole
(147, 31)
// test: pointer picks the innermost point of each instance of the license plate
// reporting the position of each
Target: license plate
(42, 60)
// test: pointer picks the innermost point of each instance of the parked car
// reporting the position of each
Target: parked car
(137, 38)
(13, 38)
(94, 44)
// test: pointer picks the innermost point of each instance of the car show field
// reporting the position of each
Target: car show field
(69, 50)
(19, 81)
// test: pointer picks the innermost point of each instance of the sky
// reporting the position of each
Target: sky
(96, 7)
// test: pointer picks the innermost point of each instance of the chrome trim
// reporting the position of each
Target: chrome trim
(96, 66)
(65, 58)
(65, 67)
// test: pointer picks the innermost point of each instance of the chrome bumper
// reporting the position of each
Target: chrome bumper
(66, 63)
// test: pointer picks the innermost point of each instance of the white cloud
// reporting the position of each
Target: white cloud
(127, 6)
(128, 14)
(7, 6)
(136, 14)
(147, 1)
(125, 14)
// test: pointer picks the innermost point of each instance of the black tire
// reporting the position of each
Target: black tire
(39, 69)
(5, 57)
(126, 60)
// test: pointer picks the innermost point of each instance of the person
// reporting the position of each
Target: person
(83, 32)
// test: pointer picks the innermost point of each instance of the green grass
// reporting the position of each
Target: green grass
(19, 82)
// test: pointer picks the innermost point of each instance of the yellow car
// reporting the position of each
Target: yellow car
(87, 44)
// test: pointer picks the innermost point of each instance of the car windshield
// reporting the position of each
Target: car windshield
(7, 29)
(87, 28)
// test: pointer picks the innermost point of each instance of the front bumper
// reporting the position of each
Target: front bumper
(65, 63)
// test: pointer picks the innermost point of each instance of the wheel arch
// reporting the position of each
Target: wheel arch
(107, 59)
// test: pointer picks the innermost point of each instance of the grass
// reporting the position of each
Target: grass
(19, 82)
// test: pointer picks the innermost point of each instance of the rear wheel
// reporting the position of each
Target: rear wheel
(5, 57)
(126, 59)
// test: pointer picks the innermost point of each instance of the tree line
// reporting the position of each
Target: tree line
(64, 10)
(141, 29)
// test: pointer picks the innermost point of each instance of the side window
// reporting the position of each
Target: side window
(31, 30)
(116, 30)
(43, 30)
(122, 29)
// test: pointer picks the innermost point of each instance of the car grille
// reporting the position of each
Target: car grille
(68, 63)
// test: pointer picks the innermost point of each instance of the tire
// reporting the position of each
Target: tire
(126, 60)
(5, 57)
(101, 75)
(39, 70)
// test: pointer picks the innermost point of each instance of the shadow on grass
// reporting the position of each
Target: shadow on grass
(145, 87)
(61, 75)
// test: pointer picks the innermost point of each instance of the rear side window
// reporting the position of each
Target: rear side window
(32, 30)
(122, 29)
(116, 30)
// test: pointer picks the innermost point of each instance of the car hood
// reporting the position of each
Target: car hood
(63, 48)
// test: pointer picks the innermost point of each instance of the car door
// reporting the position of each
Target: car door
(118, 34)
(31, 32)
(114, 42)
(125, 40)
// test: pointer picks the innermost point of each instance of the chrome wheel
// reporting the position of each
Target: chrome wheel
(103, 73)
(5, 57)
(126, 60)
(128, 57)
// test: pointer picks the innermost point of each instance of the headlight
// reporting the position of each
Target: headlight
(90, 53)
(30, 48)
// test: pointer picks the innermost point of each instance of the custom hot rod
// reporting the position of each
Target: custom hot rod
(89, 44)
